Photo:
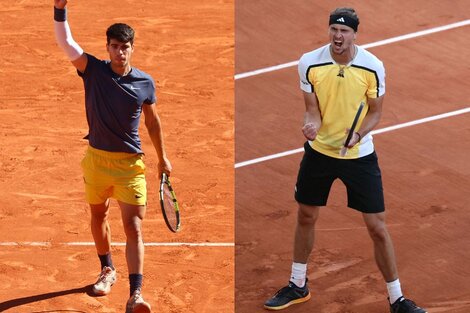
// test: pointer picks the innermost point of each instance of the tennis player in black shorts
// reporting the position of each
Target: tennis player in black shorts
(335, 80)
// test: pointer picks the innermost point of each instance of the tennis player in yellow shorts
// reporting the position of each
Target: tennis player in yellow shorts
(116, 94)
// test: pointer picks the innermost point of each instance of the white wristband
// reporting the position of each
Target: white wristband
(64, 38)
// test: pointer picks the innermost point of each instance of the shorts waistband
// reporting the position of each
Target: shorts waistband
(111, 155)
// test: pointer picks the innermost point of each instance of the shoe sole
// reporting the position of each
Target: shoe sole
(288, 304)
(142, 308)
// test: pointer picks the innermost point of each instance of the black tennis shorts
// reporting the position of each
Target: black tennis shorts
(361, 176)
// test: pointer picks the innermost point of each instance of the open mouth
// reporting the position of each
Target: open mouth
(338, 43)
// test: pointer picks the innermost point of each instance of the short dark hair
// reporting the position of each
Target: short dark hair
(350, 12)
(121, 32)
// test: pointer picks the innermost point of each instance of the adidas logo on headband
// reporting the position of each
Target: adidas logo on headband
(344, 20)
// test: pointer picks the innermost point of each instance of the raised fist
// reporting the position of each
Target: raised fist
(60, 4)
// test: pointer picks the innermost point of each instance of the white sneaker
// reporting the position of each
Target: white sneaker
(136, 304)
(105, 281)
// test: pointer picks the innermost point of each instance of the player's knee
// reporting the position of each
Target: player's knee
(132, 228)
(307, 216)
(378, 232)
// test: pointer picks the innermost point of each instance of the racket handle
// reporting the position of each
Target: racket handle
(343, 151)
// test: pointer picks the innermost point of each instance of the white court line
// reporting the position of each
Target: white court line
(119, 244)
(366, 46)
(378, 131)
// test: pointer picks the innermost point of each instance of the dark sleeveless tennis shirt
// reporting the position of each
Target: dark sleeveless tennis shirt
(114, 104)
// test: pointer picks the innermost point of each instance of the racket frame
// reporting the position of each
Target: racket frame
(166, 181)
(344, 149)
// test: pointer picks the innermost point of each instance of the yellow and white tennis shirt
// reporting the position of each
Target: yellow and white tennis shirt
(340, 89)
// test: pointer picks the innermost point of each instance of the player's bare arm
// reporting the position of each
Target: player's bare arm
(64, 37)
(370, 120)
(312, 117)
(154, 128)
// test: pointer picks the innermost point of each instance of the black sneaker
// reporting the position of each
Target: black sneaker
(403, 305)
(291, 294)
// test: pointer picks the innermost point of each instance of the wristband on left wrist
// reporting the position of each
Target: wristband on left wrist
(359, 135)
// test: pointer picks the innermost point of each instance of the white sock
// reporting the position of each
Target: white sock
(298, 274)
(394, 290)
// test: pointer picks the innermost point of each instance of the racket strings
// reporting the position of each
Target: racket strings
(169, 205)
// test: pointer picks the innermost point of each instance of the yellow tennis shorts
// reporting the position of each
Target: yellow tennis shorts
(117, 175)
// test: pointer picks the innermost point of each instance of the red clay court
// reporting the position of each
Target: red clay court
(425, 165)
(47, 260)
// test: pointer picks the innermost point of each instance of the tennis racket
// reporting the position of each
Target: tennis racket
(344, 149)
(169, 204)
